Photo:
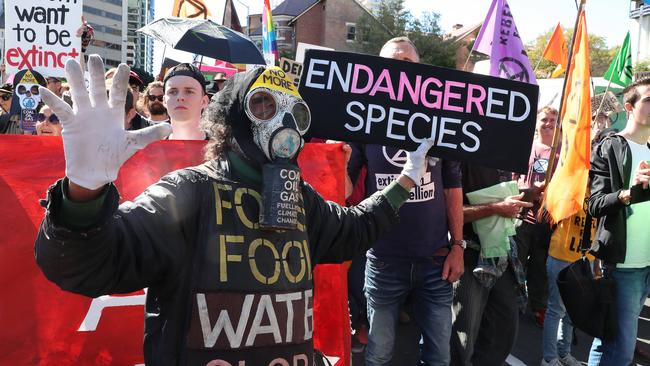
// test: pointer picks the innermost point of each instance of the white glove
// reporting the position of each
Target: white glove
(416, 162)
(94, 140)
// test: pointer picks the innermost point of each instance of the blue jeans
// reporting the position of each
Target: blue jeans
(632, 288)
(554, 344)
(387, 285)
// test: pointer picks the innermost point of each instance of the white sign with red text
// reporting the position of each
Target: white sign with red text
(40, 35)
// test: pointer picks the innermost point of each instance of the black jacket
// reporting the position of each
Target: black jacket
(611, 162)
(192, 239)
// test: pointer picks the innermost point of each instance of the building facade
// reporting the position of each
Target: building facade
(639, 30)
(329, 23)
(115, 23)
(140, 47)
(108, 19)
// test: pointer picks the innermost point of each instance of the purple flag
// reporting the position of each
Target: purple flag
(500, 40)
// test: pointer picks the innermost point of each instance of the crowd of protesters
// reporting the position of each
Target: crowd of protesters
(466, 306)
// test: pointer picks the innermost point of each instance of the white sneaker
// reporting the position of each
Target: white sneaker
(553, 362)
(569, 360)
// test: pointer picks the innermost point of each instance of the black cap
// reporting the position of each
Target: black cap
(53, 79)
(185, 69)
(7, 88)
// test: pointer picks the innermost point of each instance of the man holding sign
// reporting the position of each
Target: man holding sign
(425, 263)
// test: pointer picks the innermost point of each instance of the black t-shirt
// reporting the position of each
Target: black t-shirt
(477, 177)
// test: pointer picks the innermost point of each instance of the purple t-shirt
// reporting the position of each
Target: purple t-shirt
(423, 218)
(540, 155)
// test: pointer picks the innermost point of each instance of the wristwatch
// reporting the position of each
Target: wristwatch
(461, 243)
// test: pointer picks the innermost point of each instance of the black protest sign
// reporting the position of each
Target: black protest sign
(27, 98)
(473, 118)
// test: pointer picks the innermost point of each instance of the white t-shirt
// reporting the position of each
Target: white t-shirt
(637, 254)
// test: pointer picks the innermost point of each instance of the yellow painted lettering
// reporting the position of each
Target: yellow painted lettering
(251, 258)
(239, 193)
(285, 251)
(224, 258)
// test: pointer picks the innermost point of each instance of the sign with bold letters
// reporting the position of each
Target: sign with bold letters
(472, 118)
(41, 35)
(292, 68)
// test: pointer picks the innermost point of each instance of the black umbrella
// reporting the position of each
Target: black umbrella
(204, 37)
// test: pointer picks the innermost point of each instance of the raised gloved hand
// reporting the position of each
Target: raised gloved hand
(94, 140)
(416, 161)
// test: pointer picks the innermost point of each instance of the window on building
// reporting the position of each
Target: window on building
(351, 32)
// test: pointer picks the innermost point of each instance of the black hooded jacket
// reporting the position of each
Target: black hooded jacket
(219, 288)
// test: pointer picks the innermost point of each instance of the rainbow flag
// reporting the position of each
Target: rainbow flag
(269, 44)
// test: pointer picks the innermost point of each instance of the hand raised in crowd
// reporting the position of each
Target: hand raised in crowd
(94, 140)
(642, 174)
(511, 206)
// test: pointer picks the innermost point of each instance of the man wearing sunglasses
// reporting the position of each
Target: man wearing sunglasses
(152, 103)
(6, 96)
(54, 85)
(9, 124)
(226, 248)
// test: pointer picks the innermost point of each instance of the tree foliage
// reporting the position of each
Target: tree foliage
(390, 19)
(600, 55)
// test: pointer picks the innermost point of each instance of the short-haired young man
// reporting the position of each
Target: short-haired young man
(185, 100)
(532, 237)
(618, 163)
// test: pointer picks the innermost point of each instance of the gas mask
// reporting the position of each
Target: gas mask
(278, 119)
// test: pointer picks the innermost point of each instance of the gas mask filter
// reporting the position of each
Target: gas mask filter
(279, 118)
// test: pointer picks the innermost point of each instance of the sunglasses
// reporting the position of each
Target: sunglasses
(154, 97)
(5, 97)
(53, 119)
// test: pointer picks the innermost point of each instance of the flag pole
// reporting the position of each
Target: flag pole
(556, 132)
(467, 61)
(604, 94)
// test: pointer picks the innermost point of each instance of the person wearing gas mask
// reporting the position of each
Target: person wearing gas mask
(225, 248)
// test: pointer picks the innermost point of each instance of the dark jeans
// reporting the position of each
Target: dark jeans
(387, 286)
(485, 320)
(532, 245)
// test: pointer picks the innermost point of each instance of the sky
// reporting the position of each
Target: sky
(607, 18)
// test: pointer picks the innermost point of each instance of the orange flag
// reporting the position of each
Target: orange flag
(190, 9)
(566, 190)
(556, 51)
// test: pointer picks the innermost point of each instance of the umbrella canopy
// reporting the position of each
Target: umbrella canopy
(204, 37)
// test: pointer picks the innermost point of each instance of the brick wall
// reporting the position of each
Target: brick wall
(310, 26)
(325, 24)
(337, 14)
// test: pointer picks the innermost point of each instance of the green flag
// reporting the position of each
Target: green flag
(620, 71)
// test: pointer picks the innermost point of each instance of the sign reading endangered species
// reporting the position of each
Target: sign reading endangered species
(472, 118)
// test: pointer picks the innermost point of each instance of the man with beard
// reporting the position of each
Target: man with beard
(152, 103)
(229, 276)
(9, 124)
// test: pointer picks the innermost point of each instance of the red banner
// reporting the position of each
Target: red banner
(43, 325)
